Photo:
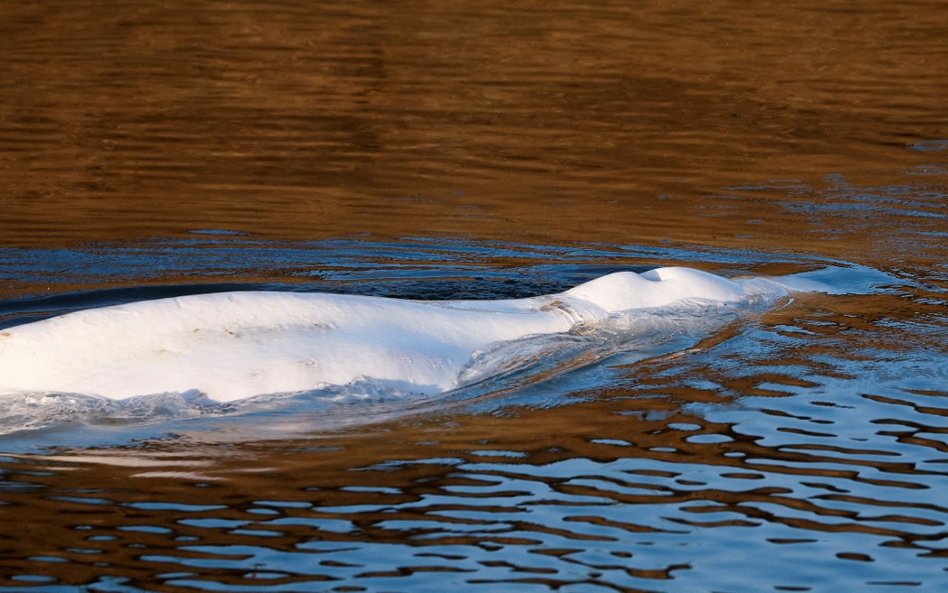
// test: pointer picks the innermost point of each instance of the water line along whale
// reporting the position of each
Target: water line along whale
(232, 346)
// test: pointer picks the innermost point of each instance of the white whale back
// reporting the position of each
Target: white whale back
(231, 346)
(623, 291)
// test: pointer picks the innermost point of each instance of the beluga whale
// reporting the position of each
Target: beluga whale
(236, 345)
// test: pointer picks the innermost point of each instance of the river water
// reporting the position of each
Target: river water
(491, 150)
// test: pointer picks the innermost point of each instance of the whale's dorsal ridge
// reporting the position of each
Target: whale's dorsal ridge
(622, 291)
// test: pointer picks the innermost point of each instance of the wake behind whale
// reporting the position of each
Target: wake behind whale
(229, 347)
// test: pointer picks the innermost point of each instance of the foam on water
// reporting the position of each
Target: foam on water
(212, 353)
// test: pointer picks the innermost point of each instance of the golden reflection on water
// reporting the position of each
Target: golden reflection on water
(562, 122)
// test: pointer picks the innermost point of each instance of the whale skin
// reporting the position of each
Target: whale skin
(235, 345)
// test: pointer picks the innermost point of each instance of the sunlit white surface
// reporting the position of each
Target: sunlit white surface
(231, 346)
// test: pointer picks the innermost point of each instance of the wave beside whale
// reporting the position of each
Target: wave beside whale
(233, 346)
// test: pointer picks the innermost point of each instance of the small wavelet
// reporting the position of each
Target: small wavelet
(36, 411)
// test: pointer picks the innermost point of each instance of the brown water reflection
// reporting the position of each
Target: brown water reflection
(599, 495)
(553, 122)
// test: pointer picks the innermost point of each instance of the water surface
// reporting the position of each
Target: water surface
(459, 150)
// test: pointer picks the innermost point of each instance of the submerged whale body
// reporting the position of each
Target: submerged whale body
(231, 346)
